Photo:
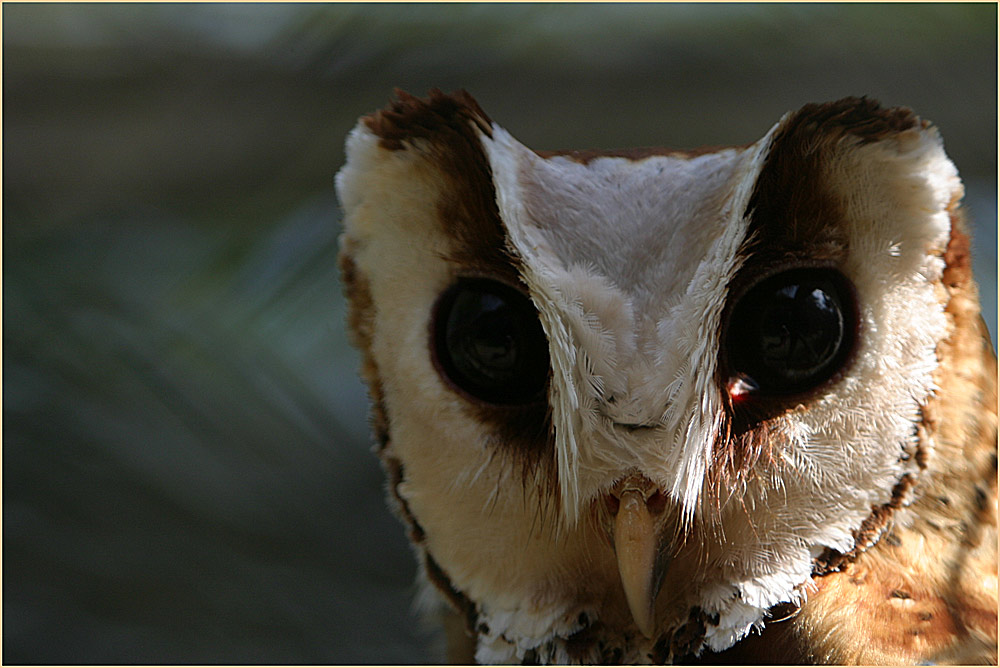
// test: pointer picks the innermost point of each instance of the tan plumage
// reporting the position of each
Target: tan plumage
(625, 482)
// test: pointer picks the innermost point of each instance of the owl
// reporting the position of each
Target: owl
(730, 405)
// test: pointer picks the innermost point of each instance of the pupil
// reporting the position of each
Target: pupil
(789, 333)
(802, 330)
(489, 342)
(495, 350)
(488, 339)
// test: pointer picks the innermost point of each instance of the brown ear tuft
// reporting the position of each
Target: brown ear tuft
(409, 117)
(861, 117)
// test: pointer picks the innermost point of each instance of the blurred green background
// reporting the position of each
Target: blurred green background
(187, 475)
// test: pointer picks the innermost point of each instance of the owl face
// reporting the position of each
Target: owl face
(629, 402)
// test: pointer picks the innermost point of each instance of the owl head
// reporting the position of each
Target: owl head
(630, 402)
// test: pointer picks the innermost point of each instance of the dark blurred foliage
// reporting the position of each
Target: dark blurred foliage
(186, 465)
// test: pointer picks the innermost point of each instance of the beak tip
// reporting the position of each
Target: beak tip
(645, 624)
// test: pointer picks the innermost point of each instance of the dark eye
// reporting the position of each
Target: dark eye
(489, 343)
(792, 331)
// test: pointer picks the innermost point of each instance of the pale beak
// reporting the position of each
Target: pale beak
(637, 548)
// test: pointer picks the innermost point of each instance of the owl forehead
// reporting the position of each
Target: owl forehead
(644, 226)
